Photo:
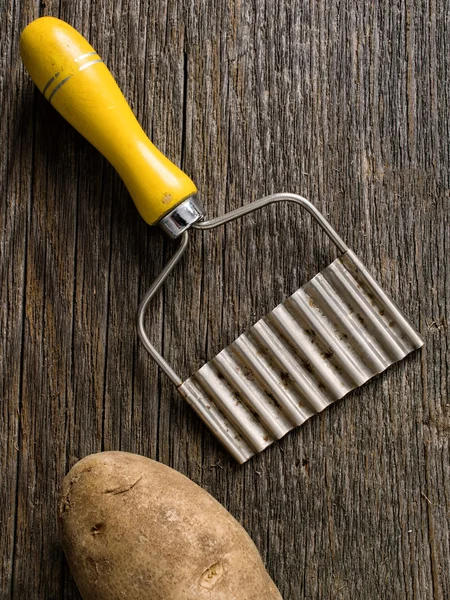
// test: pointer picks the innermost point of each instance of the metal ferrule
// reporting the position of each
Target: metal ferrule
(181, 218)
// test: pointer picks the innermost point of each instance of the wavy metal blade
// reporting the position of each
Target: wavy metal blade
(331, 336)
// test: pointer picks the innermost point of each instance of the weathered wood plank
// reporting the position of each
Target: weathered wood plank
(348, 104)
(16, 131)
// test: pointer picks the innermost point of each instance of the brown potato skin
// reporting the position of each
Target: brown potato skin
(134, 529)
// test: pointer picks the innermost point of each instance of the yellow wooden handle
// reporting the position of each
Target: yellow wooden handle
(74, 79)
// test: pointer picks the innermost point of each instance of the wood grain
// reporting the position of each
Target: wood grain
(344, 102)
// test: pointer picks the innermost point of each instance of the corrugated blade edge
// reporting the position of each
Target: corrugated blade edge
(331, 336)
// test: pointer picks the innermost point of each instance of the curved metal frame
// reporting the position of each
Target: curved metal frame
(160, 360)
(211, 224)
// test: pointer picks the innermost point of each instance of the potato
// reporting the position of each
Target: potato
(132, 528)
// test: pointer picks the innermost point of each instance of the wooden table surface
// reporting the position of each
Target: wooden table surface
(344, 102)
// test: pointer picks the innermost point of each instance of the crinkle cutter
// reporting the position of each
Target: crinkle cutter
(329, 337)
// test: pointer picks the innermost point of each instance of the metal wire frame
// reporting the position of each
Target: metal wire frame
(212, 224)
